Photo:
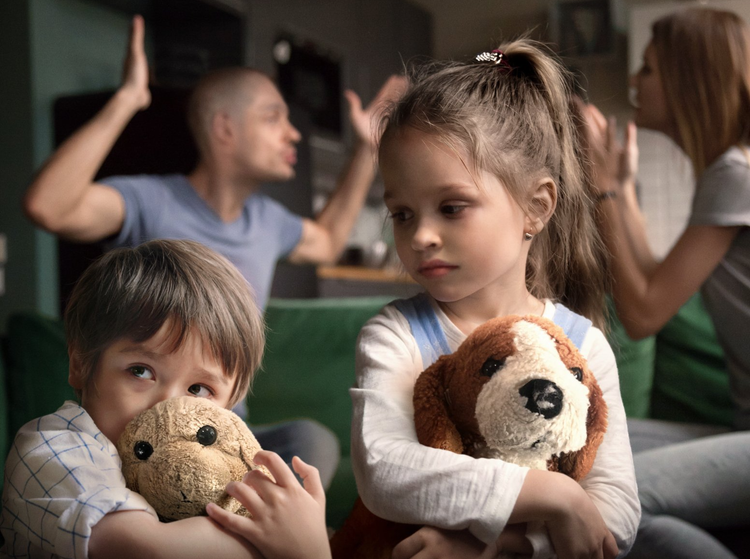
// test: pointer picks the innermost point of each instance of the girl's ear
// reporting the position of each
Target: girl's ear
(542, 204)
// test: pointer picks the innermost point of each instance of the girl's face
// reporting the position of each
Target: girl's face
(457, 235)
(651, 104)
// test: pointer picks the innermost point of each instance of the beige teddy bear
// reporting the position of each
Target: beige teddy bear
(181, 454)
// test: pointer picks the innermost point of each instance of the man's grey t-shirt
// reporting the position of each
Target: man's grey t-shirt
(168, 207)
(722, 198)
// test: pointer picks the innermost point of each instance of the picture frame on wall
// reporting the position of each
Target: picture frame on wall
(582, 28)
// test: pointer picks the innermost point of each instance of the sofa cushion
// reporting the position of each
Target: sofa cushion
(691, 382)
(37, 368)
(308, 368)
(4, 428)
(635, 365)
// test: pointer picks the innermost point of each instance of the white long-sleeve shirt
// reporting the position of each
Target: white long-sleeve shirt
(401, 480)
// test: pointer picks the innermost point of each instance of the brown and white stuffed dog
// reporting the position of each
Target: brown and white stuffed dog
(181, 454)
(517, 389)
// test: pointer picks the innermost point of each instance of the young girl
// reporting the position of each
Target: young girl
(491, 217)
(694, 86)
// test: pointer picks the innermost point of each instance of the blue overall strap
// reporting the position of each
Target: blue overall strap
(574, 325)
(425, 327)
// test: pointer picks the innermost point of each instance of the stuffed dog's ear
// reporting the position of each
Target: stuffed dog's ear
(249, 445)
(577, 464)
(431, 414)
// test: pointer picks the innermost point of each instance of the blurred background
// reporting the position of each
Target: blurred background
(60, 60)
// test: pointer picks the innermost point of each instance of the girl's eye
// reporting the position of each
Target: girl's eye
(200, 391)
(400, 216)
(452, 209)
(140, 371)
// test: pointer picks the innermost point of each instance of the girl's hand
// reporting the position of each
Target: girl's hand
(135, 67)
(288, 520)
(365, 121)
(577, 530)
(433, 543)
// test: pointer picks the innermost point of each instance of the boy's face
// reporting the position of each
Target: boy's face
(131, 377)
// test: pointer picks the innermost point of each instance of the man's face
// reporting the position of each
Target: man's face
(265, 148)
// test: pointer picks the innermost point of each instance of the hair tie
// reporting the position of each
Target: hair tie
(495, 57)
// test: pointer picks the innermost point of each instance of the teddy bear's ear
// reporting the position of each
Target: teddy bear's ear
(431, 414)
(577, 464)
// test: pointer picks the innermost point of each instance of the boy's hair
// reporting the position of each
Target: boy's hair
(228, 89)
(131, 292)
(514, 120)
(704, 64)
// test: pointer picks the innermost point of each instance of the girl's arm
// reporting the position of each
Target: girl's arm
(646, 295)
(401, 480)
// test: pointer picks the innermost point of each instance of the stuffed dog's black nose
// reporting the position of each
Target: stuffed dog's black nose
(542, 397)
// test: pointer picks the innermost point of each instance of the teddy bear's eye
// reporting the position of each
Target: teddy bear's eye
(491, 366)
(142, 450)
(206, 435)
(578, 373)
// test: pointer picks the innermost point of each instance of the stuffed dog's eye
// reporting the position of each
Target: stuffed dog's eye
(206, 435)
(578, 373)
(491, 366)
(142, 450)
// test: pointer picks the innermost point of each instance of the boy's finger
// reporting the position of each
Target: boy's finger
(310, 479)
(278, 468)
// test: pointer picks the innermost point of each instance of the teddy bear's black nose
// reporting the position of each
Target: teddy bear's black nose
(542, 397)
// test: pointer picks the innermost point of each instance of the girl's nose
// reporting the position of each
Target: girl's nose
(425, 236)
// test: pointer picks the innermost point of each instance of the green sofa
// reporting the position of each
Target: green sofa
(309, 367)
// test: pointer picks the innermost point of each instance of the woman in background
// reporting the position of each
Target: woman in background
(694, 86)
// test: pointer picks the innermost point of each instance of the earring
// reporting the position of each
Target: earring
(527, 236)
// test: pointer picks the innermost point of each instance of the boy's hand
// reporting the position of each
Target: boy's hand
(433, 543)
(288, 521)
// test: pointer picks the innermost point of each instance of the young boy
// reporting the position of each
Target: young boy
(164, 319)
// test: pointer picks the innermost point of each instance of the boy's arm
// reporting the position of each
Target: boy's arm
(324, 238)
(63, 199)
(134, 534)
(288, 520)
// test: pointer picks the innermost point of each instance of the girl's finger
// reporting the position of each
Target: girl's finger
(409, 547)
(137, 32)
(247, 496)
(310, 479)
(611, 133)
(278, 468)
(228, 520)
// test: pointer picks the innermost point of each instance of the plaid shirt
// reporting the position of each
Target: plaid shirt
(61, 477)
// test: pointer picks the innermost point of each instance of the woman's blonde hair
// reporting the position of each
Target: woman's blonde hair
(704, 64)
(131, 292)
(515, 122)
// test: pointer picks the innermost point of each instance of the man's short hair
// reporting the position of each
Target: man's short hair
(228, 89)
(131, 293)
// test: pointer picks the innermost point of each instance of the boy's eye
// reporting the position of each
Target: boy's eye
(200, 391)
(141, 372)
(452, 209)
